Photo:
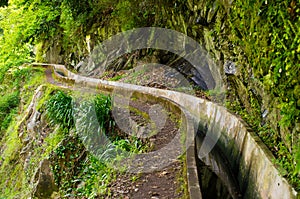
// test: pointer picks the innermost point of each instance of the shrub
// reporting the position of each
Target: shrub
(60, 110)
(7, 104)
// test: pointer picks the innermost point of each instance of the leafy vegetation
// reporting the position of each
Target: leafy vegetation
(103, 108)
(262, 37)
(16, 91)
(268, 34)
(60, 110)
(83, 160)
(7, 103)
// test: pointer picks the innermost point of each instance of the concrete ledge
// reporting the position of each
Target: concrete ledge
(249, 158)
(192, 174)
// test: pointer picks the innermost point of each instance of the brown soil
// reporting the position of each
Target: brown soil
(162, 137)
(165, 183)
(161, 184)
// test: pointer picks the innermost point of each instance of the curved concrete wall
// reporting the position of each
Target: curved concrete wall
(248, 157)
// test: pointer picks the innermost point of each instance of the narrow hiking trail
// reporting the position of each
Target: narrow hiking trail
(168, 183)
(221, 128)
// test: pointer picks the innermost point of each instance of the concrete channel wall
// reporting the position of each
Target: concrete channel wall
(248, 157)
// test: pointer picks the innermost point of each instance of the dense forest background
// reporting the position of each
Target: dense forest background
(261, 38)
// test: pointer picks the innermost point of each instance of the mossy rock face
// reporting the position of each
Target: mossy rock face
(44, 180)
(241, 91)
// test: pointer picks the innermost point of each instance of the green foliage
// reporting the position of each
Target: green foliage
(268, 32)
(24, 24)
(52, 141)
(39, 21)
(60, 110)
(124, 13)
(265, 32)
(16, 90)
(96, 127)
(289, 162)
(80, 162)
(117, 77)
(103, 108)
(132, 145)
(94, 172)
(284, 159)
(94, 122)
(11, 90)
(13, 51)
(78, 173)
(298, 159)
(66, 160)
(7, 103)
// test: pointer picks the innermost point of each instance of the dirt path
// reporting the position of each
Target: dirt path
(168, 183)
(163, 184)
